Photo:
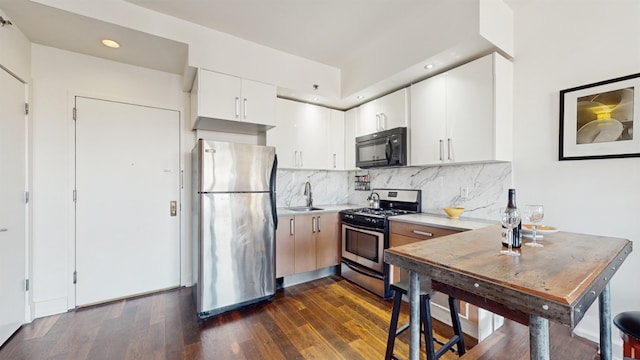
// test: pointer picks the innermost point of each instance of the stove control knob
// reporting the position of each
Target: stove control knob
(374, 221)
(368, 219)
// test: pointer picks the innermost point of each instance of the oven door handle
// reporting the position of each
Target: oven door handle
(362, 271)
(360, 227)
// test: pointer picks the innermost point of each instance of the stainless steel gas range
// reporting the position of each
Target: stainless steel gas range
(365, 235)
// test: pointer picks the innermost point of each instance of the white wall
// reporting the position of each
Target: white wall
(16, 50)
(57, 76)
(559, 45)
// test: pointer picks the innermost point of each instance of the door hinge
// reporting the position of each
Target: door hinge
(75, 195)
(26, 285)
(26, 197)
(75, 113)
(26, 108)
(75, 277)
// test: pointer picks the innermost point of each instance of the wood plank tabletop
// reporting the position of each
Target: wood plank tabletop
(558, 281)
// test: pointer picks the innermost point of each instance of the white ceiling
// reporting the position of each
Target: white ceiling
(332, 32)
(326, 31)
(60, 29)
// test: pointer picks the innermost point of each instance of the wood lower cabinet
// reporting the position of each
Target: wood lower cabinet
(306, 243)
(476, 322)
(405, 233)
(328, 240)
(285, 246)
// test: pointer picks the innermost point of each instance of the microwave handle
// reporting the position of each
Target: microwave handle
(388, 150)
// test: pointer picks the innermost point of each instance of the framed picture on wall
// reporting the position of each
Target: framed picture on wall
(597, 120)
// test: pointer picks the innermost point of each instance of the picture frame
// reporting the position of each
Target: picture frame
(596, 120)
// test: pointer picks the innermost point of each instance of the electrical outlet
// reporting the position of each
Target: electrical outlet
(464, 192)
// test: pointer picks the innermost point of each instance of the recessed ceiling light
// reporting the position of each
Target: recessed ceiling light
(315, 99)
(360, 97)
(110, 43)
(428, 66)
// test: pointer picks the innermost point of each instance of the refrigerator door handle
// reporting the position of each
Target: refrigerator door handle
(272, 191)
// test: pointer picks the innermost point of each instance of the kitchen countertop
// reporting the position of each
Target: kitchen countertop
(443, 221)
(284, 211)
(437, 220)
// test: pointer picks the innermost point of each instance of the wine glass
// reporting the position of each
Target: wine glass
(510, 218)
(534, 213)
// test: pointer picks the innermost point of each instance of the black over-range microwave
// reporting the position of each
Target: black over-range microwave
(384, 148)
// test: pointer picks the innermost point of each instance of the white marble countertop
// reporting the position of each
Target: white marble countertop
(443, 221)
(437, 220)
(284, 211)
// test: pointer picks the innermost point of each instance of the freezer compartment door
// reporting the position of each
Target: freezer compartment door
(237, 250)
(229, 167)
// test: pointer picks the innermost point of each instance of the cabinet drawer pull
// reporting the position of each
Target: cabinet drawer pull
(4, 230)
(291, 227)
(244, 107)
(424, 233)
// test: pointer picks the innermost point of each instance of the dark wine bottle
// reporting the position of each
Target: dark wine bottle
(517, 231)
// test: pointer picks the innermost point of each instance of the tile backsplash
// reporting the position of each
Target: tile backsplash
(485, 186)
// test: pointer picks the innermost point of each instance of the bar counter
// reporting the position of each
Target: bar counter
(556, 282)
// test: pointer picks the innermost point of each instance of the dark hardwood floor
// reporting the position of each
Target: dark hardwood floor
(324, 319)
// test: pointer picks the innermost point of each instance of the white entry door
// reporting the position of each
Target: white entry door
(127, 200)
(12, 204)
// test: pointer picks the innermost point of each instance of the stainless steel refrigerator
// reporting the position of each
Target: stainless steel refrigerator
(234, 222)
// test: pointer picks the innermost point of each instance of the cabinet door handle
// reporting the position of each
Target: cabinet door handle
(377, 122)
(424, 233)
(441, 150)
(313, 225)
(4, 230)
(318, 224)
(237, 107)
(301, 159)
(244, 107)
(383, 121)
(291, 227)
(295, 159)
(334, 161)
(449, 149)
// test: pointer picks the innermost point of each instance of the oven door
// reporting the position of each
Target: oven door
(363, 246)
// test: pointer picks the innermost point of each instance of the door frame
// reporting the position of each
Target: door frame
(71, 130)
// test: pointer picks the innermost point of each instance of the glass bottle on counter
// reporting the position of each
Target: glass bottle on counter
(517, 231)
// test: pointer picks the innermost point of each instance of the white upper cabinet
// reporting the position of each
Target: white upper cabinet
(387, 112)
(301, 135)
(464, 115)
(336, 140)
(350, 118)
(428, 121)
(227, 103)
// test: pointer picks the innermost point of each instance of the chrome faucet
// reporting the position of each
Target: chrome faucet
(307, 192)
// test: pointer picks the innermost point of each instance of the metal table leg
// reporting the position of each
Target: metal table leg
(414, 315)
(604, 303)
(538, 338)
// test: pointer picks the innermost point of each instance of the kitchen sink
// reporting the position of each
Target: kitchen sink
(304, 208)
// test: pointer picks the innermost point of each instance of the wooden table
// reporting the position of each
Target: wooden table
(556, 282)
